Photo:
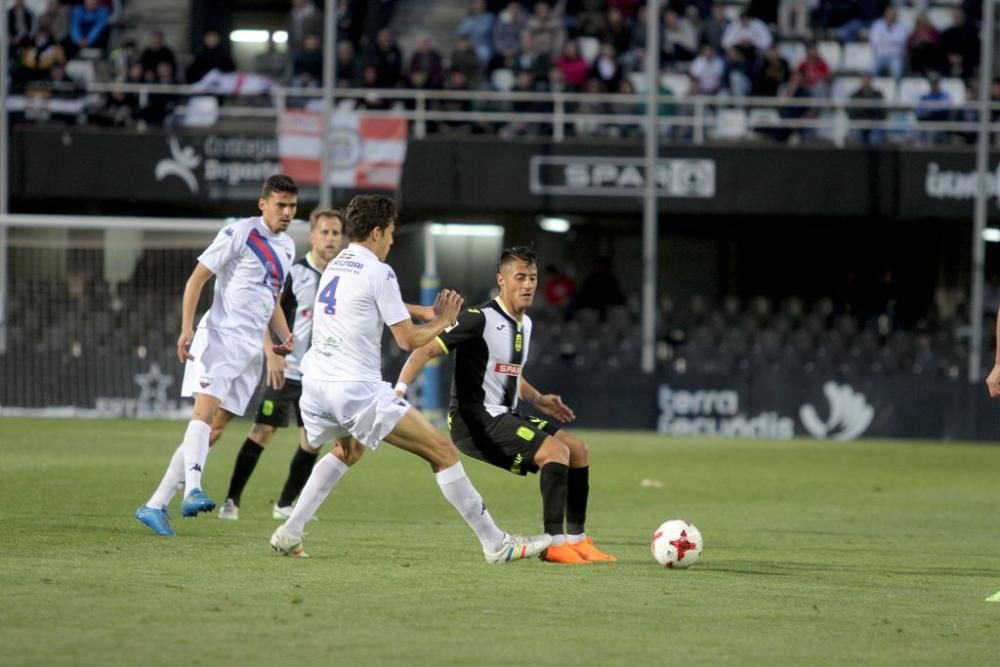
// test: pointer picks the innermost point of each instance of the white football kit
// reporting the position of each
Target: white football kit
(250, 263)
(342, 388)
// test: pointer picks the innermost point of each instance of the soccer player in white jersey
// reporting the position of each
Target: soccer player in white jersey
(491, 343)
(222, 360)
(283, 376)
(343, 395)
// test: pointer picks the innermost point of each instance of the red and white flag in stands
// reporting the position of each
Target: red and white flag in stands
(365, 151)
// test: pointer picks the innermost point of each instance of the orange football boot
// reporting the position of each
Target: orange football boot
(564, 553)
(590, 553)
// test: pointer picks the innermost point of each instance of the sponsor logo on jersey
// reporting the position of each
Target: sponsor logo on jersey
(518, 341)
(507, 369)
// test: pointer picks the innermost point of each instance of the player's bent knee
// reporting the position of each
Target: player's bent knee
(349, 452)
(262, 434)
(552, 450)
(579, 452)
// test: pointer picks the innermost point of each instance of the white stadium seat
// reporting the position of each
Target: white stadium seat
(201, 111)
(589, 48)
(679, 84)
(794, 53)
(502, 79)
(857, 57)
(830, 52)
(940, 17)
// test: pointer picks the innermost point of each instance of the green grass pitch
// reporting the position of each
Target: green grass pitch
(817, 553)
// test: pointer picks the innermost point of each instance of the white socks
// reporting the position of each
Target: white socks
(325, 475)
(171, 478)
(195, 448)
(457, 488)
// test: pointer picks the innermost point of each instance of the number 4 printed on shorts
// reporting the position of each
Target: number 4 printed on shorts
(329, 296)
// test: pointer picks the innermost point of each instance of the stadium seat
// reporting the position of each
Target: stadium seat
(907, 16)
(679, 84)
(502, 79)
(83, 71)
(955, 88)
(911, 88)
(830, 52)
(730, 124)
(638, 81)
(589, 48)
(794, 53)
(940, 17)
(201, 111)
(857, 57)
(759, 120)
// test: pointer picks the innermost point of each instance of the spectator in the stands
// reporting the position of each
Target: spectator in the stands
(507, 34)
(348, 72)
(639, 29)
(599, 290)
(531, 59)
(714, 27)
(771, 73)
(626, 104)
(934, 106)
(558, 287)
(213, 54)
(156, 52)
(456, 82)
(428, 60)
(303, 19)
(123, 58)
(88, 26)
(888, 38)
(793, 17)
(617, 31)
(21, 24)
(606, 68)
(118, 109)
(628, 8)
(591, 127)
(741, 65)
(960, 44)
(55, 18)
(749, 35)
(870, 95)
(477, 27)
(273, 63)
(307, 64)
(372, 100)
(546, 28)
(924, 47)
(160, 105)
(385, 55)
(679, 41)
(861, 14)
(465, 60)
(708, 69)
(794, 89)
(591, 18)
(815, 73)
(39, 57)
(573, 65)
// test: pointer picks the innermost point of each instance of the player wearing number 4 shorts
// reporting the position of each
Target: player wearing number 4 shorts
(345, 400)
(491, 348)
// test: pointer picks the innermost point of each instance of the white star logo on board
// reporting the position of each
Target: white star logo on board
(153, 386)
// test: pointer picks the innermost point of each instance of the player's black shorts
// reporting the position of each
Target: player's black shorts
(509, 441)
(274, 404)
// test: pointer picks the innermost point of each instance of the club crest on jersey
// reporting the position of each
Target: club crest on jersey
(204, 381)
(507, 369)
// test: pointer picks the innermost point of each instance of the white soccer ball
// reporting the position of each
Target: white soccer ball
(676, 544)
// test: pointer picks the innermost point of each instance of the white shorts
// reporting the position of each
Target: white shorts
(366, 410)
(224, 367)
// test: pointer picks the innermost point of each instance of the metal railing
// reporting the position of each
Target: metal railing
(559, 115)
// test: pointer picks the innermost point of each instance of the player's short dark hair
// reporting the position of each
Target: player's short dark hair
(278, 183)
(518, 252)
(318, 213)
(365, 213)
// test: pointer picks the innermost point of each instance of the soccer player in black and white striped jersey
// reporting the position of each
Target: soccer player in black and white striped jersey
(491, 344)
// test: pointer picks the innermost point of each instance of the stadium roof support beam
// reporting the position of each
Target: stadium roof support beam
(982, 173)
(329, 81)
(4, 174)
(649, 210)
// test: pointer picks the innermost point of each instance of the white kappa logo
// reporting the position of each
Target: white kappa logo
(182, 164)
(850, 414)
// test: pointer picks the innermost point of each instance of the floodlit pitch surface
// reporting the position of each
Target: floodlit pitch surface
(874, 553)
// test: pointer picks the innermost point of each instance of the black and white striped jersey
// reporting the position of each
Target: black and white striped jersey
(490, 349)
(297, 303)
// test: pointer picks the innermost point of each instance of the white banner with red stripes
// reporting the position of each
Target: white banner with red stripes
(365, 151)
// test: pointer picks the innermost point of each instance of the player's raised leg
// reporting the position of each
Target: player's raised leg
(414, 433)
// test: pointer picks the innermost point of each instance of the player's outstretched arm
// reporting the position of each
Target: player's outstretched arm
(415, 363)
(993, 379)
(410, 336)
(550, 405)
(422, 313)
(189, 302)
